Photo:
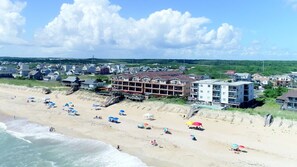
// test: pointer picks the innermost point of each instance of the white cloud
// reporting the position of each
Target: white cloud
(88, 25)
(292, 3)
(11, 22)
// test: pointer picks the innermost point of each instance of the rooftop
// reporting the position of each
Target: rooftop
(162, 75)
(218, 82)
(290, 93)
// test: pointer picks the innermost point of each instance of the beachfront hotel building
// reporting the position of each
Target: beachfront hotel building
(153, 83)
(224, 93)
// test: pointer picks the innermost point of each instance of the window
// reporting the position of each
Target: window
(201, 85)
(208, 91)
(224, 99)
(208, 86)
(201, 91)
(201, 97)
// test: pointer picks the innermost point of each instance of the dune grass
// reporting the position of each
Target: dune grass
(270, 107)
(169, 100)
(30, 83)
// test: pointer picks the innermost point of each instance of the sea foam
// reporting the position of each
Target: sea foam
(68, 151)
(3, 126)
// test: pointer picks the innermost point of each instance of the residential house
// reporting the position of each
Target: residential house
(288, 100)
(35, 74)
(199, 77)
(282, 80)
(230, 72)
(71, 81)
(211, 91)
(153, 83)
(45, 71)
(76, 69)
(66, 68)
(89, 69)
(262, 80)
(104, 70)
(52, 77)
(5, 72)
(91, 84)
(242, 77)
(24, 70)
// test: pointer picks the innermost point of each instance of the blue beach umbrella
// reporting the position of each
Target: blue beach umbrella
(115, 119)
(234, 146)
(110, 119)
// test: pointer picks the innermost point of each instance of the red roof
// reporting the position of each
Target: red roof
(230, 72)
(168, 75)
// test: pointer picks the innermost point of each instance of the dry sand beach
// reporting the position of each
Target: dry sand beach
(266, 146)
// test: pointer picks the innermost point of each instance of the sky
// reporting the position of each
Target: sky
(154, 29)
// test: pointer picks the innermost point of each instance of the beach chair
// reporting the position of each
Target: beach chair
(140, 126)
(110, 119)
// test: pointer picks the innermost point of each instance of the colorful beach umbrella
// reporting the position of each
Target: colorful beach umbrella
(145, 124)
(197, 124)
(241, 146)
(234, 146)
(189, 123)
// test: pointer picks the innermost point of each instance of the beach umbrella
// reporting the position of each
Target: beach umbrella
(241, 146)
(234, 146)
(110, 118)
(197, 124)
(145, 124)
(149, 116)
(122, 112)
(115, 119)
(189, 123)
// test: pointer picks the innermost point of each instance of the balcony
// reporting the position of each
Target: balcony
(178, 88)
(216, 88)
(216, 101)
(216, 95)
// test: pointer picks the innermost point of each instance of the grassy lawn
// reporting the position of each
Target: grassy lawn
(30, 83)
(169, 100)
(270, 107)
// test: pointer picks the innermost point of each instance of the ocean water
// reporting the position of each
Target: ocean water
(24, 144)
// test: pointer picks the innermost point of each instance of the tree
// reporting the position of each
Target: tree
(275, 92)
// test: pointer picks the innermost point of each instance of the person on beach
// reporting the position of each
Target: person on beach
(154, 143)
(52, 129)
(118, 147)
(194, 138)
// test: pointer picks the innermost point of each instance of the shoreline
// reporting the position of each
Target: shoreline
(211, 149)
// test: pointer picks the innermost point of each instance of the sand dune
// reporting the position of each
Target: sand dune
(266, 146)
